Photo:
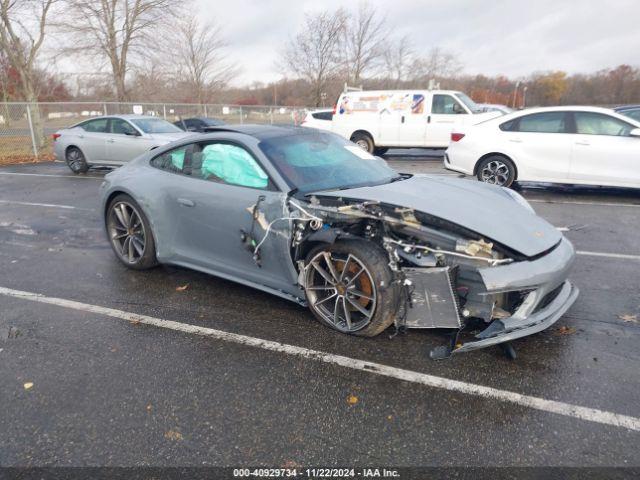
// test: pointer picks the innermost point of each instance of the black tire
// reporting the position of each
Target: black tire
(497, 170)
(76, 160)
(376, 281)
(364, 141)
(121, 227)
(380, 150)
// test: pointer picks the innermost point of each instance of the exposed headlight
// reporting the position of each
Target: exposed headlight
(519, 198)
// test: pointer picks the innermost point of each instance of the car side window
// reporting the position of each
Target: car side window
(590, 123)
(122, 127)
(98, 125)
(228, 163)
(446, 105)
(635, 114)
(173, 160)
(546, 122)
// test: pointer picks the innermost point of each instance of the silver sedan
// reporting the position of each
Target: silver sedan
(112, 140)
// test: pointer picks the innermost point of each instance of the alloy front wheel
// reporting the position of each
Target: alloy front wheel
(130, 233)
(349, 287)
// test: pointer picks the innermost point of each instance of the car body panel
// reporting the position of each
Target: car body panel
(474, 205)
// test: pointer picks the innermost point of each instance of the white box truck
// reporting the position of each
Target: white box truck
(378, 120)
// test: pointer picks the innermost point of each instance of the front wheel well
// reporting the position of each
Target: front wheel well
(362, 132)
(495, 154)
(69, 147)
(110, 198)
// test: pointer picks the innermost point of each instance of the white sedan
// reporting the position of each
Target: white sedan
(571, 145)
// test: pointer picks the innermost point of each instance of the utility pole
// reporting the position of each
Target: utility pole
(524, 96)
(515, 94)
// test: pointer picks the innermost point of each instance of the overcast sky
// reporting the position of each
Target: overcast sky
(511, 37)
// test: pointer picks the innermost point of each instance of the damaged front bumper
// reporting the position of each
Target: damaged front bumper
(512, 327)
(549, 295)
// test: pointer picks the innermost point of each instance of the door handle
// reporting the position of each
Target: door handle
(402, 119)
(428, 118)
(515, 140)
(583, 143)
(186, 202)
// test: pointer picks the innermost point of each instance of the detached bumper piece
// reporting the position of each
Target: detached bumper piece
(508, 329)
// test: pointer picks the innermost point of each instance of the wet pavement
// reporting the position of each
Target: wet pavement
(112, 392)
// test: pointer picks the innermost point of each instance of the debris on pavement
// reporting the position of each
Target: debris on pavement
(626, 317)
(352, 399)
(173, 435)
(182, 288)
(564, 330)
(28, 385)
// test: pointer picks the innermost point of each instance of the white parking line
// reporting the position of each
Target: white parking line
(49, 175)
(48, 205)
(537, 403)
(571, 202)
(623, 256)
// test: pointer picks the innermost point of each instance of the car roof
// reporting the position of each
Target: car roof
(403, 90)
(626, 107)
(564, 108)
(263, 132)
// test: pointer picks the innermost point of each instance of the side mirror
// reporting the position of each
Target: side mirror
(132, 133)
(458, 109)
(635, 132)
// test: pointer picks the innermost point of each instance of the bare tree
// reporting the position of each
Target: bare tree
(365, 39)
(398, 56)
(314, 53)
(438, 63)
(198, 53)
(117, 31)
(23, 26)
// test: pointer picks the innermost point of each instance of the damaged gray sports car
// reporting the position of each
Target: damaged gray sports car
(311, 217)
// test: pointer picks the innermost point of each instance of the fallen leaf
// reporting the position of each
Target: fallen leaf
(173, 435)
(28, 385)
(352, 399)
(390, 417)
(628, 318)
(134, 321)
(565, 330)
(182, 288)
(149, 407)
(291, 464)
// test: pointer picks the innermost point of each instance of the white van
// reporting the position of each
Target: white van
(377, 120)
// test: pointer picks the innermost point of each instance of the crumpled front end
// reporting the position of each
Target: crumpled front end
(450, 277)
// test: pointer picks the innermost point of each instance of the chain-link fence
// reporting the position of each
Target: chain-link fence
(26, 129)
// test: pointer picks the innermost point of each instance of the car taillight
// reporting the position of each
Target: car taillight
(456, 137)
(56, 136)
(335, 107)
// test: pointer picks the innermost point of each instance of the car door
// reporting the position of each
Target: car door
(213, 207)
(125, 142)
(443, 116)
(92, 139)
(413, 123)
(540, 145)
(603, 152)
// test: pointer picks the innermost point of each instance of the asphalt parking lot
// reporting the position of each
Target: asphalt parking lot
(85, 386)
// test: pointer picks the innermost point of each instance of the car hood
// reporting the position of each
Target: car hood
(170, 137)
(485, 209)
